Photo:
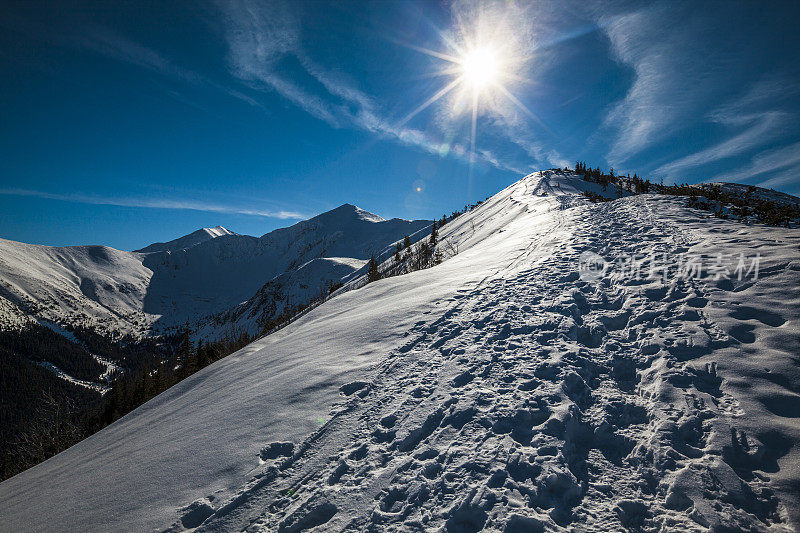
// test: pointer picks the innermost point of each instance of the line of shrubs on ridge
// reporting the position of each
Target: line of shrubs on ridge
(709, 197)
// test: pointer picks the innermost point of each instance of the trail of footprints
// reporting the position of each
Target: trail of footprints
(536, 402)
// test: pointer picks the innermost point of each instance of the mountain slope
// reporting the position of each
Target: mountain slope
(282, 295)
(220, 273)
(506, 389)
(92, 285)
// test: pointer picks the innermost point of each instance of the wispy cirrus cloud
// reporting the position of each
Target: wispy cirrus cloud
(259, 35)
(778, 166)
(539, 152)
(155, 203)
(115, 46)
(751, 113)
(669, 83)
(118, 47)
(686, 59)
(787, 179)
(760, 129)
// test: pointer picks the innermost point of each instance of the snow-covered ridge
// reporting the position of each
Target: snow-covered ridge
(498, 390)
(759, 193)
(90, 285)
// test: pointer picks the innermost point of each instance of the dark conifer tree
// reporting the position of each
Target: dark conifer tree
(187, 353)
(373, 274)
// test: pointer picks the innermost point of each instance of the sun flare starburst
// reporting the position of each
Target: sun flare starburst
(483, 61)
(478, 75)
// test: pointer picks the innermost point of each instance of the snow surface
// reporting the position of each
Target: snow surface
(497, 390)
(105, 377)
(102, 389)
(221, 273)
(282, 293)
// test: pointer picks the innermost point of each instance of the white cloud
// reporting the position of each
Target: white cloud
(763, 127)
(769, 162)
(670, 84)
(788, 179)
(758, 124)
(155, 203)
(686, 59)
(120, 48)
(259, 35)
(540, 153)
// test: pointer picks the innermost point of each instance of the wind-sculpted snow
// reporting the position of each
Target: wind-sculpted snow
(503, 390)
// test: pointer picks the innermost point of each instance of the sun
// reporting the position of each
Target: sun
(479, 67)
(484, 57)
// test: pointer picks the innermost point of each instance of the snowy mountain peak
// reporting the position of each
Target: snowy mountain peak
(350, 210)
(187, 241)
(218, 231)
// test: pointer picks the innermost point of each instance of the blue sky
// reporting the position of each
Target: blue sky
(125, 123)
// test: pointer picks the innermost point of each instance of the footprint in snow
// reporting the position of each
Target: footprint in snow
(274, 450)
(353, 387)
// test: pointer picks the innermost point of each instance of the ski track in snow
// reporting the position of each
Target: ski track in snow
(537, 401)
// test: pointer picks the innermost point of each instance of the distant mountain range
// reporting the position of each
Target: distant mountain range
(212, 272)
